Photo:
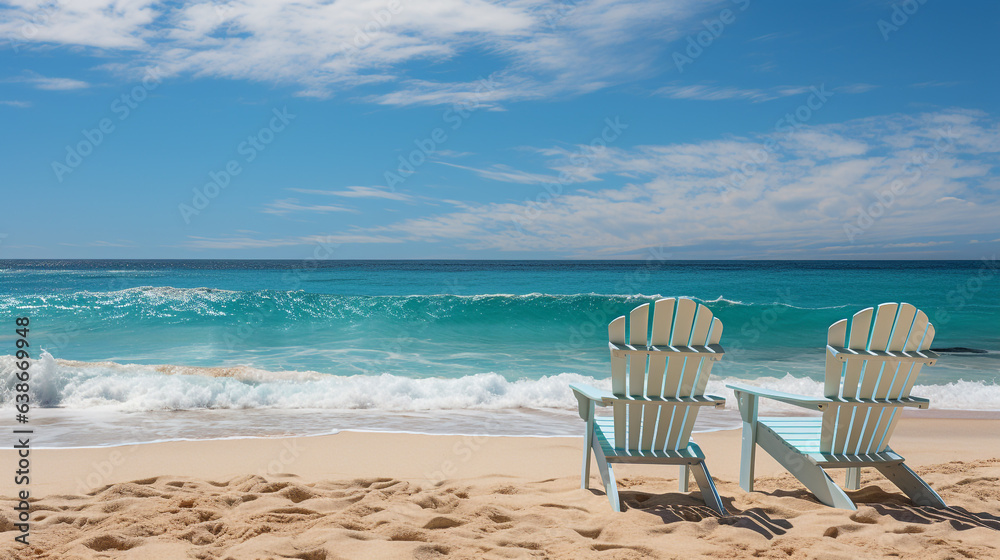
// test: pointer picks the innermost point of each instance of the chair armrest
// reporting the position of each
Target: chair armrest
(585, 395)
(916, 402)
(700, 400)
(915, 356)
(720, 402)
(814, 403)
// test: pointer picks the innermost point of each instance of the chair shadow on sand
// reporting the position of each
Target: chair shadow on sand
(674, 507)
(900, 508)
(960, 518)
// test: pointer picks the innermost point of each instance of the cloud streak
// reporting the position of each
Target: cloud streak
(291, 205)
(243, 242)
(705, 92)
(359, 192)
(820, 180)
(323, 47)
(52, 84)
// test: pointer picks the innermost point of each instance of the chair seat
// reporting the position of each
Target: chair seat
(604, 430)
(803, 434)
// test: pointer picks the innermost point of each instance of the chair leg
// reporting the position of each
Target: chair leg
(852, 480)
(588, 440)
(811, 475)
(911, 485)
(747, 455)
(607, 477)
(748, 411)
(684, 477)
(707, 487)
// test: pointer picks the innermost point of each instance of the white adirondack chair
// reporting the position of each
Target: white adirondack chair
(658, 383)
(869, 374)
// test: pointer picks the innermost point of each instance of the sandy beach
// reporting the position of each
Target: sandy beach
(390, 495)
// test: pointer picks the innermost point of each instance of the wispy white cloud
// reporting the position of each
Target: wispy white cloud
(452, 153)
(118, 243)
(766, 66)
(916, 244)
(236, 242)
(19, 104)
(774, 36)
(703, 92)
(102, 24)
(324, 47)
(51, 84)
(358, 192)
(507, 174)
(815, 183)
(291, 205)
(856, 88)
(706, 92)
(935, 84)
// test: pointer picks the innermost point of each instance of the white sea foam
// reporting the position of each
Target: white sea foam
(137, 388)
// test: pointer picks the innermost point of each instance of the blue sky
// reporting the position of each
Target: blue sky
(517, 129)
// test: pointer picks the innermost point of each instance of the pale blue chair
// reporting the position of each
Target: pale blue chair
(658, 381)
(869, 374)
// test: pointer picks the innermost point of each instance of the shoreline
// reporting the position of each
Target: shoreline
(559, 423)
(921, 440)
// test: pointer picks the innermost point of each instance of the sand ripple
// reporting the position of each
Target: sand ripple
(251, 517)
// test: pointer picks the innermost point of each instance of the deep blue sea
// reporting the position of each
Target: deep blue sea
(131, 350)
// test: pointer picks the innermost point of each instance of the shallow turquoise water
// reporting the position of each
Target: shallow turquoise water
(449, 335)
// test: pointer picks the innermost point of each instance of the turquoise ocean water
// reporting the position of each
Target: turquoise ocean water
(153, 350)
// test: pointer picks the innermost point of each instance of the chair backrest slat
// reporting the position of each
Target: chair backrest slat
(663, 319)
(835, 336)
(616, 334)
(677, 323)
(902, 330)
(638, 326)
(699, 337)
(885, 318)
(682, 322)
(924, 344)
(860, 328)
(863, 428)
(714, 336)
